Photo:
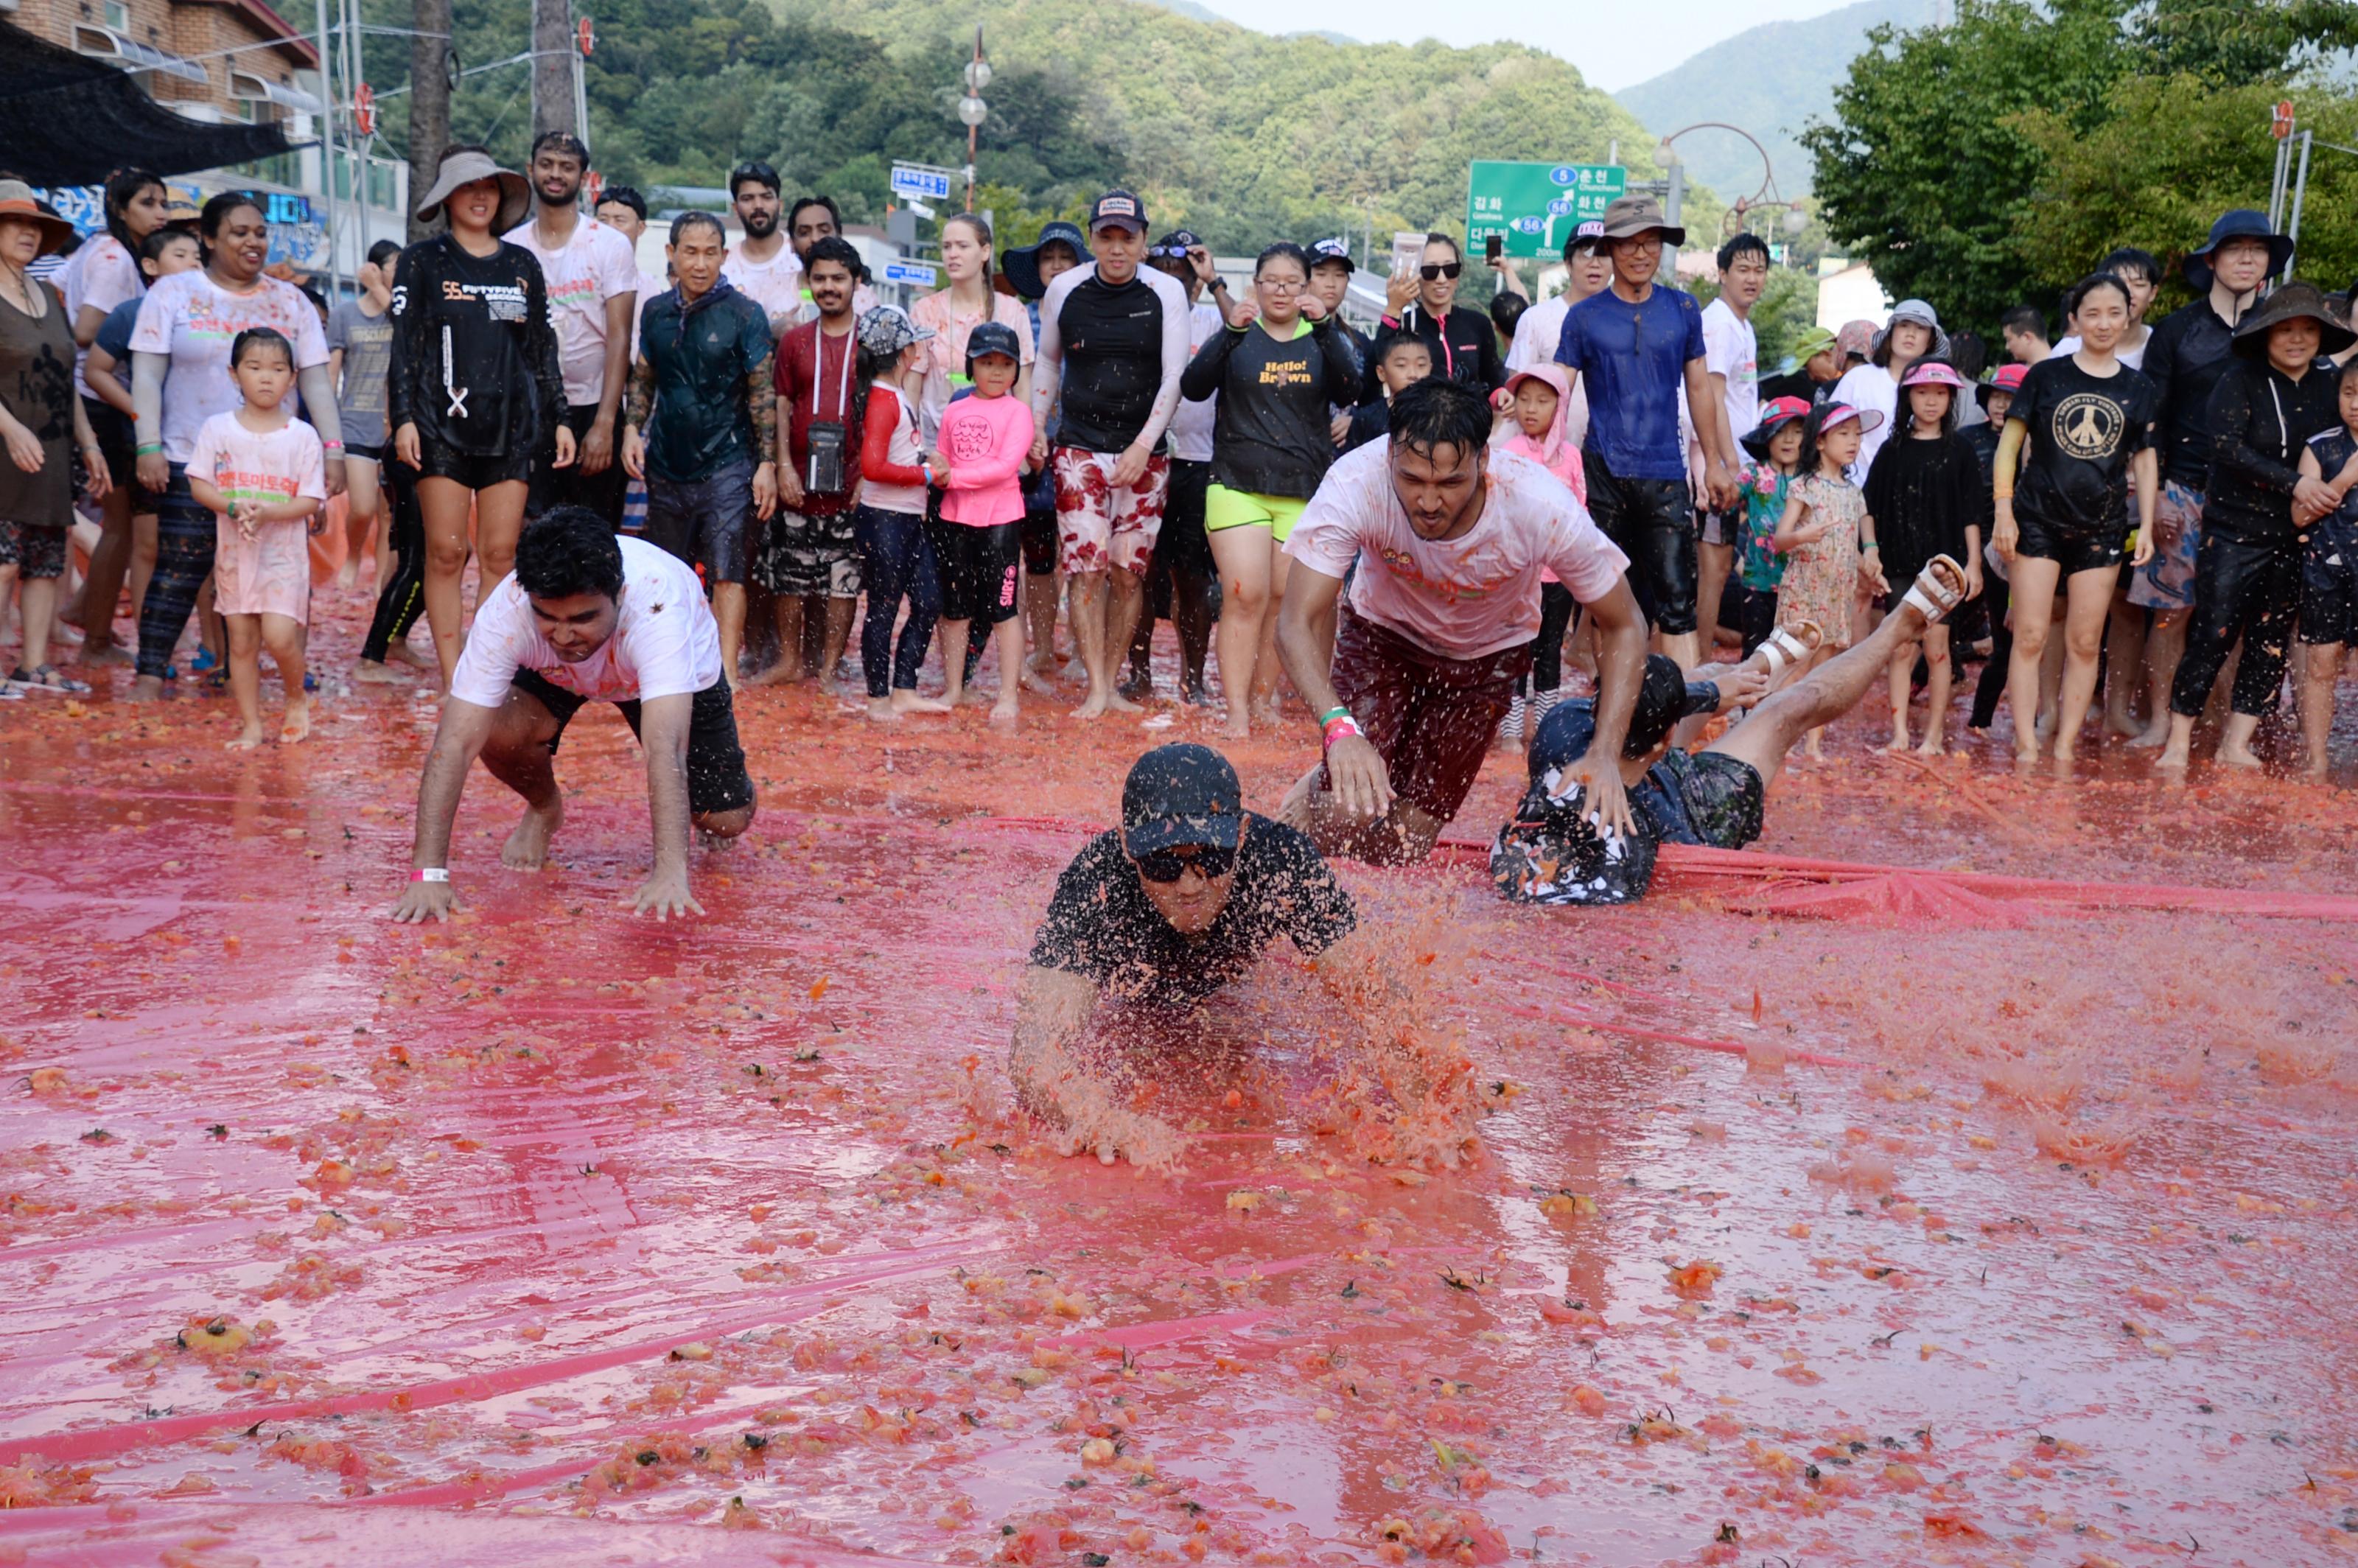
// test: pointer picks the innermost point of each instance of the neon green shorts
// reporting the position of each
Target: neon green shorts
(1226, 508)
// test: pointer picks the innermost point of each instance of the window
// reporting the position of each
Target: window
(117, 15)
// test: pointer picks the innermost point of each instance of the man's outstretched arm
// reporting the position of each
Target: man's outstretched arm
(457, 741)
(663, 731)
(1052, 1008)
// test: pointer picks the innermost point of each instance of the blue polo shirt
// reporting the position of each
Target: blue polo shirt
(1633, 360)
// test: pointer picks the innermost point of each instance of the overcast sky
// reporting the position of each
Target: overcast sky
(1614, 46)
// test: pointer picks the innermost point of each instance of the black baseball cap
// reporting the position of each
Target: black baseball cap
(1337, 249)
(1173, 246)
(1665, 697)
(1180, 794)
(1118, 209)
(993, 338)
(1589, 236)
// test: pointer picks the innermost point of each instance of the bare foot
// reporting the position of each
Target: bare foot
(2066, 752)
(1237, 727)
(296, 725)
(2173, 757)
(375, 673)
(527, 847)
(2315, 770)
(401, 652)
(247, 739)
(1004, 712)
(783, 672)
(1266, 714)
(881, 710)
(1121, 703)
(910, 702)
(968, 697)
(2121, 724)
(2152, 735)
(146, 688)
(1092, 706)
(1897, 744)
(348, 576)
(1935, 744)
(106, 653)
(1038, 682)
(2237, 756)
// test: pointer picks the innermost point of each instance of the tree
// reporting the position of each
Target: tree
(2232, 43)
(552, 68)
(429, 98)
(1920, 171)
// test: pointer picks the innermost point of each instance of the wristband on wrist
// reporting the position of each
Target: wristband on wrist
(1338, 711)
(430, 874)
(1335, 731)
(332, 446)
(147, 449)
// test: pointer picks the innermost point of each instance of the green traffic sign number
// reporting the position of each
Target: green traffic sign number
(1536, 206)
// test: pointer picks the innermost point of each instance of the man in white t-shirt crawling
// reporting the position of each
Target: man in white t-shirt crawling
(1409, 689)
(586, 616)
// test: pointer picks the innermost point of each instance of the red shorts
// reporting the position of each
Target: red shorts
(1430, 717)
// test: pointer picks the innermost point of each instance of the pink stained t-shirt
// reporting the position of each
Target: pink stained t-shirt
(269, 574)
(985, 440)
(1465, 597)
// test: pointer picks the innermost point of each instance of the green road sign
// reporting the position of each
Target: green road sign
(1536, 205)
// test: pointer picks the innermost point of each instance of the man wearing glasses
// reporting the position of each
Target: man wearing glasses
(1638, 346)
(1158, 916)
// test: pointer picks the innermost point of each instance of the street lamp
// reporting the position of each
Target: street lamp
(971, 110)
(1795, 219)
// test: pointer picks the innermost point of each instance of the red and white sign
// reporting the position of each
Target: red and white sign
(2280, 122)
(584, 37)
(364, 110)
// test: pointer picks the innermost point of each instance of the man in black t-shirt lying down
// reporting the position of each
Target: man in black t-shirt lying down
(1554, 851)
(1155, 917)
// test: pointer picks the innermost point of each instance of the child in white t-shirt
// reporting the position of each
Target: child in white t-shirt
(261, 472)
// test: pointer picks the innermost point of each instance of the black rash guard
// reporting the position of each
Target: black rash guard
(1118, 350)
(474, 349)
(1272, 434)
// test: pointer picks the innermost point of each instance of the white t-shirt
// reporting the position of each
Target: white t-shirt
(649, 289)
(776, 285)
(1536, 334)
(1464, 598)
(2133, 358)
(1730, 349)
(1868, 386)
(592, 266)
(194, 322)
(665, 642)
(1191, 427)
(102, 275)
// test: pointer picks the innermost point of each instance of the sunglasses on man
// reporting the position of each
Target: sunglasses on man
(1170, 865)
(1431, 270)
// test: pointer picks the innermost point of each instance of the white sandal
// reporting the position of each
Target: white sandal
(1933, 594)
(1787, 647)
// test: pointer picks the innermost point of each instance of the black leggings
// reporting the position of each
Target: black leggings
(1556, 605)
(401, 599)
(185, 535)
(2241, 589)
(1995, 596)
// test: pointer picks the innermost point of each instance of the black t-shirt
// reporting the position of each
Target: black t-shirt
(2084, 429)
(1273, 434)
(1112, 337)
(1102, 926)
(474, 360)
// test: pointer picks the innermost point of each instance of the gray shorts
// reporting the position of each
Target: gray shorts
(704, 521)
(805, 557)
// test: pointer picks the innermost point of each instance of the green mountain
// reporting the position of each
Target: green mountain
(1770, 79)
(1244, 136)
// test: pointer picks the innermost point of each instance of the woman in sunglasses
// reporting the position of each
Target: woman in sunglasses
(1424, 304)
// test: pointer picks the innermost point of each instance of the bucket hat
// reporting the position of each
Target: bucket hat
(1774, 416)
(1021, 267)
(1914, 310)
(2236, 224)
(2007, 380)
(2293, 302)
(1855, 338)
(16, 201)
(1629, 216)
(1811, 344)
(465, 167)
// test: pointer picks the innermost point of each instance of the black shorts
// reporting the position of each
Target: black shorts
(370, 451)
(1183, 546)
(1040, 541)
(552, 486)
(2075, 550)
(1723, 797)
(1652, 520)
(717, 779)
(475, 470)
(976, 568)
(116, 440)
(705, 522)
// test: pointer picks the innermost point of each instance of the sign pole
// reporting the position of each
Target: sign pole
(2300, 189)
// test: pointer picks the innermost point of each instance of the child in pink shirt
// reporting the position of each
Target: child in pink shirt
(262, 471)
(1541, 397)
(986, 442)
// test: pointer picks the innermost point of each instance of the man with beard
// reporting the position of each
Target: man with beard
(810, 220)
(762, 265)
(810, 559)
(593, 282)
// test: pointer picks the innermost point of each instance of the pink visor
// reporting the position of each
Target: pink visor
(1931, 373)
(1836, 412)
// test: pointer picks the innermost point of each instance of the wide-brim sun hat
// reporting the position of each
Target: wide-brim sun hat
(2007, 380)
(2295, 301)
(1775, 416)
(1924, 316)
(1021, 266)
(463, 168)
(2236, 224)
(17, 201)
(1930, 372)
(1628, 216)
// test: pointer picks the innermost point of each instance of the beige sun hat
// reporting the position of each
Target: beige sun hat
(462, 167)
(16, 201)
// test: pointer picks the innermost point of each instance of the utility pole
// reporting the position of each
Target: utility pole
(430, 74)
(553, 59)
(972, 110)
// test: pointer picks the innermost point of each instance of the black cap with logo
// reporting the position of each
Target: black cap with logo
(1119, 209)
(1337, 249)
(1180, 795)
